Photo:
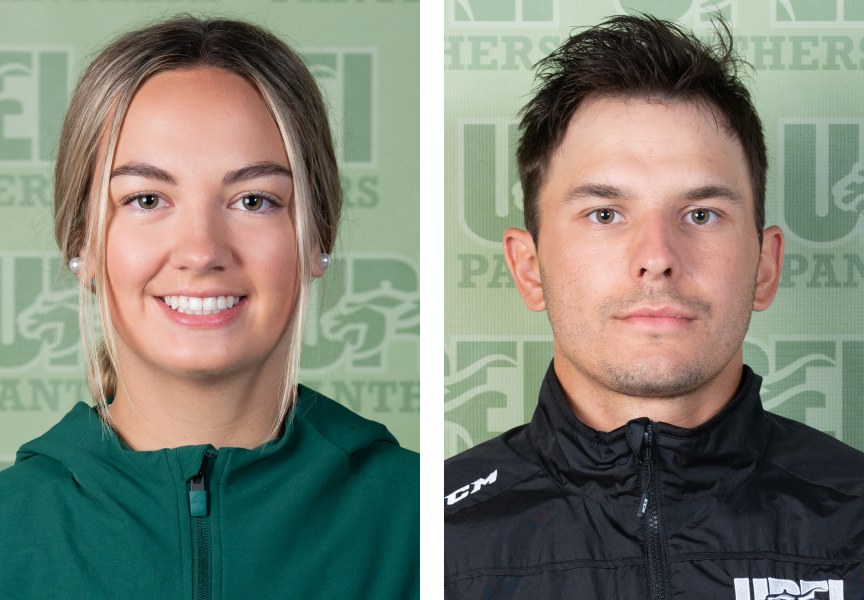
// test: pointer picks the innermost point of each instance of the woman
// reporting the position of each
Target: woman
(196, 198)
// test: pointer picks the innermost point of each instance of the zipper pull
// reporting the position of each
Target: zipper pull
(198, 489)
(645, 459)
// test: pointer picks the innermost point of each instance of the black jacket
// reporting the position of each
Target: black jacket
(748, 506)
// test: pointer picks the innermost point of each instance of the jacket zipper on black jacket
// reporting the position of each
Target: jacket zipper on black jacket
(199, 510)
(649, 512)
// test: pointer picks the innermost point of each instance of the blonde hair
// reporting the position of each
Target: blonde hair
(89, 139)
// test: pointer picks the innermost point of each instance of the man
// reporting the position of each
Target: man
(650, 469)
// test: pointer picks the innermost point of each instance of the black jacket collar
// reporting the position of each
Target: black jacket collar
(690, 462)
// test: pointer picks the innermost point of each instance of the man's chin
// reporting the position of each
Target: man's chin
(656, 379)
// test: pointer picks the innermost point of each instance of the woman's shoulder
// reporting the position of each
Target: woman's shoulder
(372, 449)
(42, 463)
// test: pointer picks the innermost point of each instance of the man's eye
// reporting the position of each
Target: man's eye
(701, 216)
(604, 216)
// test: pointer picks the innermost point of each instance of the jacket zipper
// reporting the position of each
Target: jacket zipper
(199, 510)
(649, 513)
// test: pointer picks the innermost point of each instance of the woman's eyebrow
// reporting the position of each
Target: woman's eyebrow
(143, 170)
(260, 169)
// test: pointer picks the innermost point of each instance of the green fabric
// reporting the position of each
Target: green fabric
(331, 510)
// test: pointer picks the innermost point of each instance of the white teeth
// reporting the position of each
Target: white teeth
(192, 305)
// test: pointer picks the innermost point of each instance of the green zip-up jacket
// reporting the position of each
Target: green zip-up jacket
(330, 510)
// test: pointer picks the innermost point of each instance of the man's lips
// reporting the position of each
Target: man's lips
(658, 312)
(664, 319)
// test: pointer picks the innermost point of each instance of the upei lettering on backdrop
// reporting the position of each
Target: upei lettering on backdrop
(34, 88)
(816, 13)
(490, 385)
(502, 13)
(490, 194)
(814, 379)
(348, 78)
(822, 184)
(695, 14)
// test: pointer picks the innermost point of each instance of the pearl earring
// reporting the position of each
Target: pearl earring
(324, 260)
(75, 264)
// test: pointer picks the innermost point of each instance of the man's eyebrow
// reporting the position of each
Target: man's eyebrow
(143, 170)
(259, 169)
(611, 192)
(594, 190)
(714, 191)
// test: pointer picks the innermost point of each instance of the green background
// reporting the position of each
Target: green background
(808, 57)
(363, 332)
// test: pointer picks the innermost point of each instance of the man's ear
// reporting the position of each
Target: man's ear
(770, 267)
(520, 252)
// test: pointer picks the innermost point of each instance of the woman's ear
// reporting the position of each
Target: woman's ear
(520, 252)
(320, 263)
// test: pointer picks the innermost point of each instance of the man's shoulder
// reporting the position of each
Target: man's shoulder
(489, 469)
(815, 457)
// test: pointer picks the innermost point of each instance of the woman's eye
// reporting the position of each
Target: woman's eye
(604, 216)
(254, 202)
(701, 216)
(145, 201)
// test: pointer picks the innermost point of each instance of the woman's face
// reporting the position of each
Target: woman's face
(201, 248)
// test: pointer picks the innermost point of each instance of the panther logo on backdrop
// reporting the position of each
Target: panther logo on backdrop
(502, 13)
(364, 304)
(822, 163)
(34, 87)
(348, 78)
(38, 315)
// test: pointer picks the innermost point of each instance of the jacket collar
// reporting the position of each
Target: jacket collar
(700, 461)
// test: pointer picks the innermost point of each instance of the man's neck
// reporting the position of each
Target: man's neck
(605, 409)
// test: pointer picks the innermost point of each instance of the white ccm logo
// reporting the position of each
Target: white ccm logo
(785, 589)
(464, 491)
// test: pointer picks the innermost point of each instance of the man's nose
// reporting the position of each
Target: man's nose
(656, 250)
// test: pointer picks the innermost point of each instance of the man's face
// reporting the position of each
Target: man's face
(647, 259)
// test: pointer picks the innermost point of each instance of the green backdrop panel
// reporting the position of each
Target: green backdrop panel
(363, 337)
(808, 83)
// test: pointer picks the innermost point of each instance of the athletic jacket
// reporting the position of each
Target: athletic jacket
(330, 510)
(747, 506)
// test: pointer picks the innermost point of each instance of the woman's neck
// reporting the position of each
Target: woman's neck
(170, 412)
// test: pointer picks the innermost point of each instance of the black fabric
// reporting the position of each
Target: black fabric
(747, 506)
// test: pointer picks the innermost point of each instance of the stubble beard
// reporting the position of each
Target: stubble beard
(650, 375)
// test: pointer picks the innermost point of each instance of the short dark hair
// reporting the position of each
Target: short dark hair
(637, 57)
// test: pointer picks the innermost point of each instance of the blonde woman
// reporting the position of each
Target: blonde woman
(197, 198)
